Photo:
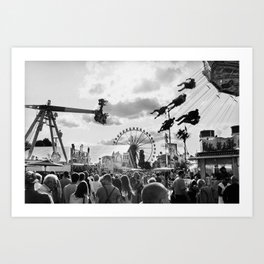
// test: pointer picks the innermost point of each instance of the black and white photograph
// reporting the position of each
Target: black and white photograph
(132, 132)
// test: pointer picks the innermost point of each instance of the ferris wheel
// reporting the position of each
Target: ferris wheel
(139, 140)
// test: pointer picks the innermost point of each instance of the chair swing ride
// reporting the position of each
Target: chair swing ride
(47, 115)
(222, 75)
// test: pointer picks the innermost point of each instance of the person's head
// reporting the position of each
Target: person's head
(125, 183)
(96, 177)
(52, 182)
(223, 170)
(38, 176)
(82, 190)
(81, 176)
(75, 177)
(155, 193)
(193, 184)
(234, 180)
(30, 179)
(181, 173)
(66, 174)
(117, 183)
(200, 183)
(136, 176)
(106, 179)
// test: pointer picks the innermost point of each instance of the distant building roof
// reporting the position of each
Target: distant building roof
(96, 152)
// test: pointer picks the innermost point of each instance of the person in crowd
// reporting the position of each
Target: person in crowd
(108, 193)
(137, 187)
(70, 188)
(231, 192)
(38, 183)
(158, 178)
(192, 192)
(51, 185)
(89, 180)
(81, 177)
(221, 188)
(179, 194)
(80, 195)
(65, 180)
(204, 194)
(126, 189)
(155, 193)
(214, 187)
(96, 183)
(117, 183)
(31, 195)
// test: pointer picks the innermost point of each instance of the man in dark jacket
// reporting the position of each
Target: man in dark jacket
(231, 192)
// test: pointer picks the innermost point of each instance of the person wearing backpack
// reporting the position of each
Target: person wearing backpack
(108, 193)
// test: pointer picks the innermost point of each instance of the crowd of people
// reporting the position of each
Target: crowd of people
(84, 187)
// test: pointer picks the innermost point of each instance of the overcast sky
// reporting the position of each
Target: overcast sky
(133, 90)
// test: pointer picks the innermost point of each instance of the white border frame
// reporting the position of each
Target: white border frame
(20, 55)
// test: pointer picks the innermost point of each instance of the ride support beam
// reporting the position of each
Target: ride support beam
(37, 133)
(59, 136)
(32, 125)
(51, 132)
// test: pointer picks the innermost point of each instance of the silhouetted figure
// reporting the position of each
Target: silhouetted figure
(177, 101)
(167, 124)
(192, 118)
(160, 111)
(188, 84)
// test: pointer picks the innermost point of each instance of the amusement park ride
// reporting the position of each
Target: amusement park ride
(47, 115)
(139, 140)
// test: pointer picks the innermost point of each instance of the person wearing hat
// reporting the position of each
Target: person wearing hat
(32, 196)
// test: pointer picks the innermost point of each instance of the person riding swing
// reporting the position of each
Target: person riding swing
(188, 84)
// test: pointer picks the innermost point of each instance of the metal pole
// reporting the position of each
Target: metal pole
(37, 133)
(33, 125)
(59, 137)
(51, 131)
(169, 142)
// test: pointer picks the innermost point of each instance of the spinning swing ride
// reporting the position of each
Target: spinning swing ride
(47, 115)
(223, 76)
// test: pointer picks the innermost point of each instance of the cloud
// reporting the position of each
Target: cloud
(111, 120)
(167, 75)
(147, 86)
(132, 109)
(97, 89)
(106, 142)
(67, 122)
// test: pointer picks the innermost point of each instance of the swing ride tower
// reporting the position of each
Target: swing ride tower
(47, 115)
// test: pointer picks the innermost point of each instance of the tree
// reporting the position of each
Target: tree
(183, 135)
(43, 143)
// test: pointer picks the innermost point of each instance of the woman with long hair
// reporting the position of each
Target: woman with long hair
(51, 186)
(80, 195)
(126, 189)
